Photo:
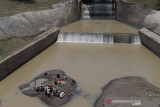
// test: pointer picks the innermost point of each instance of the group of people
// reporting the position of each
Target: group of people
(50, 90)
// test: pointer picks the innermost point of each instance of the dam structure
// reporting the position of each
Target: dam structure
(93, 51)
(106, 35)
(97, 10)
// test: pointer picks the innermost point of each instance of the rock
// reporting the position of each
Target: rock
(49, 77)
(129, 88)
(23, 86)
(152, 21)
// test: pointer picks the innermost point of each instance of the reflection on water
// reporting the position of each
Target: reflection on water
(91, 65)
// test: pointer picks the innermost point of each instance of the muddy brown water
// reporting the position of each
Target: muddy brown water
(102, 26)
(91, 65)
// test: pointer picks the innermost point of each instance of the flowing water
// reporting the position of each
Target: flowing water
(99, 37)
(98, 10)
(91, 65)
(99, 26)
(99, 31)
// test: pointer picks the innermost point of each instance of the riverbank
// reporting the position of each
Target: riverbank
(21, 56)
(12, 44)
(151, 4)
(129, 88)
(49, 78)
(11, 7)
(32, 22)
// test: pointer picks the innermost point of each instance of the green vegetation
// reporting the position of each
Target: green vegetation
(152, 4)
(9, 45)
(156, 92)
(11, 7)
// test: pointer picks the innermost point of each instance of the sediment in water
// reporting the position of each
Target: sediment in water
(49, 77)
(129, 88)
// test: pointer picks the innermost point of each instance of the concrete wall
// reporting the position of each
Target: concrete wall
(14, 61)
(68, 12)
(29, 23)
(137, 15)
(150, 40)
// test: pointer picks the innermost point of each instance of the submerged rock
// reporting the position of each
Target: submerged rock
(49, 79)
(134, 89)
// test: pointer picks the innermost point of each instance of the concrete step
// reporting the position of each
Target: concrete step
(98, 1)
(96, 5)
(98, 11)
(98, 37)
(98, 17)
(98, 8)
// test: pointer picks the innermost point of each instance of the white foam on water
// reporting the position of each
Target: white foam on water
(76, 37)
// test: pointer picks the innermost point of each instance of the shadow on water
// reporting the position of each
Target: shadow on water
(79, 92)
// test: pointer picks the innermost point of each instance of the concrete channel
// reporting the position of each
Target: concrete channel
(92, 51)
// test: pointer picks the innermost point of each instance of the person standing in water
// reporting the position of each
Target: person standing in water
(48, 92)
(35, 86)
(64, 78)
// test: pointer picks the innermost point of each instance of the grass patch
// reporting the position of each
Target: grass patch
(157, 92)
(9, 45)
(152, 4)
(11, 7)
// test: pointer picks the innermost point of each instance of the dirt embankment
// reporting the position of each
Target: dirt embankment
(33, 22)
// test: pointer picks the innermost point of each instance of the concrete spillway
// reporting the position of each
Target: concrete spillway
(99, 37)
(98, 11)
(98, 31)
